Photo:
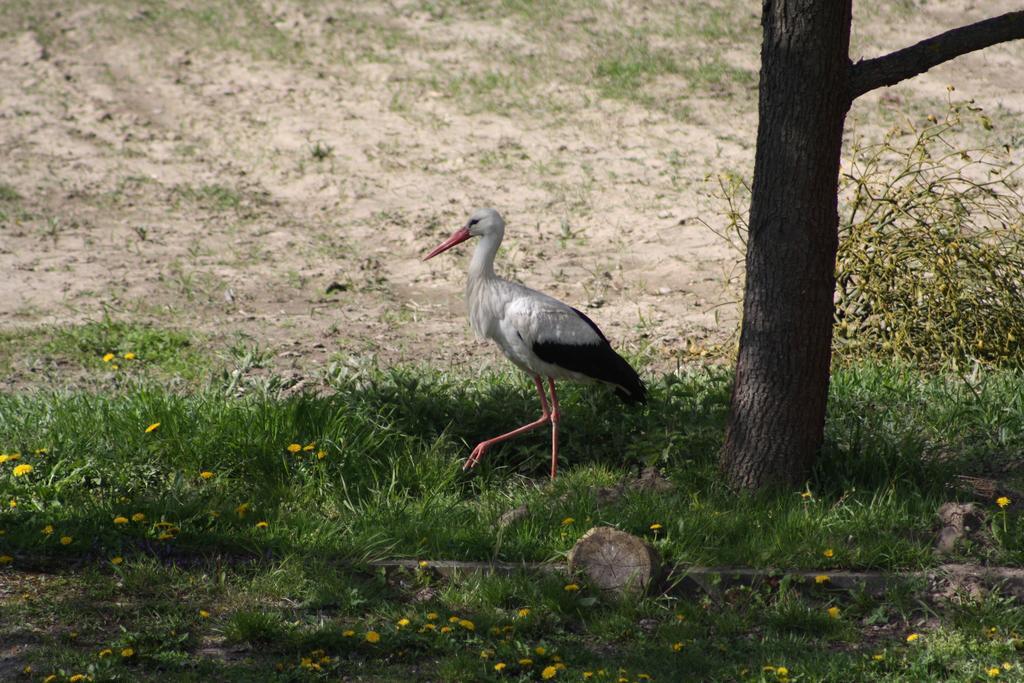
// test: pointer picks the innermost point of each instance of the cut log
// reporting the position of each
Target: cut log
(615, 562)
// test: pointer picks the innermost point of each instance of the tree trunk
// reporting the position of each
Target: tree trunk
(776, 423)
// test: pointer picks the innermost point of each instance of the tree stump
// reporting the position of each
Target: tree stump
(615, 562)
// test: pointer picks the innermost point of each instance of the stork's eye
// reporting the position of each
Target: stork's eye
(474, 222)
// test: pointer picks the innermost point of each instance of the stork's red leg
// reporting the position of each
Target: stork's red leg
(554, 429)
(481, 448)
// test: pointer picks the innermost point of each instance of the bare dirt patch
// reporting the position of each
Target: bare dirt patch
(215, 167)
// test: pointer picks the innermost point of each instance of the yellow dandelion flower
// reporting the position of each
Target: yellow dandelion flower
(782, 671)
(656, 527)
(77, 678)
(587, 675)
(116, 560)
(152, 427)
(243, 509)
(878, 657)
(348, 633)
(107, 357)
(806, 494)
(821, 578)
(524, 612)
(567, 521)
(680, 616)
(500, 666)
(525, 662)
(320, 455)
(540, 650)
(453, 619)
(1003, 501)
(207, 474)
(138, 517)
(828, 552)
(262, 525)
(403, 622)
(572, 587)
(294, 447)
(4, 458)
(993, 672)
(203, 614)
(833, 612)
(372, 637)
(5, 559)
(446, 629)
(50, 679)
(13, 504)
(432, 616)
(65, 540)
(1007, 666)
(423, 564)
(106, 652)
(486, 654)
(309, 446)
(120, 520)
(548, 672)
(127, 652)
(467, 624)
(26, 670)
(912, 637)
(677, 647)
(129, 356)
(21, 470)
(428, 627)
(48, 529)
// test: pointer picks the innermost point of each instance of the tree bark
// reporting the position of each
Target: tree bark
(776, 423)
(777, 419)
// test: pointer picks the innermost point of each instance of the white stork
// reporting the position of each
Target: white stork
(542, 336)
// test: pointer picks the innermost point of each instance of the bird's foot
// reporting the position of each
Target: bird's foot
(474, 458)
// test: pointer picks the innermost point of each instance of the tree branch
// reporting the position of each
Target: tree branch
(866, 75)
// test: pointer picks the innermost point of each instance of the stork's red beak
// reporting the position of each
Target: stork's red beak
(459, 236)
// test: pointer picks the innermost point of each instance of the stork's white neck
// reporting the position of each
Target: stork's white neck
(482, 265)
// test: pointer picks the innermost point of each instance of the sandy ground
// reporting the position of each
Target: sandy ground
(216, 166)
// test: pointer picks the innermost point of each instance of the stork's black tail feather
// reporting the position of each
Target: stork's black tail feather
(629, 387)
(598, 362)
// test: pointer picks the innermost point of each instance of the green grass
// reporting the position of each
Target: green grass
(389, 479)
(107, 351)
(211, 197)
(389, 484)
(8, 193)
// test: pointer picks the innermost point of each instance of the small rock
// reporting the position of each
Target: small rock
(958, 521)
(425, 594)
(512, 516)
(651, 479)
